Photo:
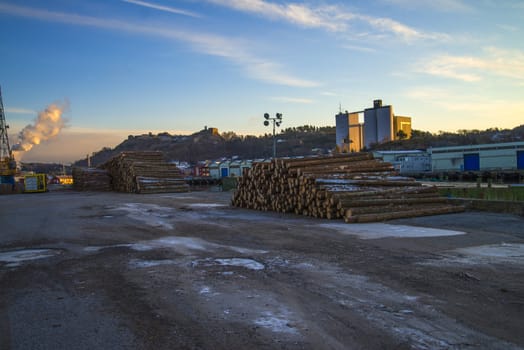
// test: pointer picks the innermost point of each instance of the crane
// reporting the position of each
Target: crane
(7, 160)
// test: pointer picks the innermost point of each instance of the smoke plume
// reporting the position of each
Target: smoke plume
(46, 126)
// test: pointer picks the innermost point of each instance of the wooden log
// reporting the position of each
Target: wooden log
(352, 211)
(330, 188)
(389, 201)
(325, 161)
(447, 209)
(141, 172)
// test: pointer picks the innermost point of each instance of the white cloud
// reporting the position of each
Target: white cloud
(493, 62)
(232, 50)
(460, 109)
(451, 101)
(454, 67)
(300, 14)
(439, 5)
(331, 18)
(358, 48)
(163, 8)
(508, 28)
(397, 28)
(329, 93)
(15, 110)
(292, 100)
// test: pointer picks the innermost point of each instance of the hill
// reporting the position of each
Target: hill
(423, 139)
(207, 145)
(296, 141)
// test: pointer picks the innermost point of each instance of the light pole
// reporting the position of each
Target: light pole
(277, 120)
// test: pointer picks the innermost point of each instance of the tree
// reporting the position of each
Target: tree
(401, 135)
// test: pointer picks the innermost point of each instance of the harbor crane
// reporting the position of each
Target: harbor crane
(7, 160)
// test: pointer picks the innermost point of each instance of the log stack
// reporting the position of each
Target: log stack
(144, 172)
(91, 179)
(354, 187)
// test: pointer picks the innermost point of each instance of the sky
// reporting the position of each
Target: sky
(128, 67)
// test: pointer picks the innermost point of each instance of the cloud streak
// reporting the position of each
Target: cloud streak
(295, 13)
(296, 100)
(438, 5)
(331, 18)
(232, 50)
(163, 8)
(15, 110)
(495, 62)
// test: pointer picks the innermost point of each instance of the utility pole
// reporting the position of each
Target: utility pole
(277, 120)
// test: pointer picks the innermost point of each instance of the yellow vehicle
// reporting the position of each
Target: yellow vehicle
(35, 183)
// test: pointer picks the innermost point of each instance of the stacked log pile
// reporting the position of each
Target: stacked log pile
(144, 172)
(353, 187)
(91, 179)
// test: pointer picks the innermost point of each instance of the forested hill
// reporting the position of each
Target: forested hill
(204, 145)
(424, 140)
(296, 141)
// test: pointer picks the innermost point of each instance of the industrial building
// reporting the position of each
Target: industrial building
(218, 170)
(408, 162)
(380, 125)
(349, 132)
(488, 157)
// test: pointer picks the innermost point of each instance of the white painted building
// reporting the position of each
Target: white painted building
(406, 162)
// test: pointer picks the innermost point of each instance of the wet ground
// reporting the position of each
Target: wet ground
(186, 271)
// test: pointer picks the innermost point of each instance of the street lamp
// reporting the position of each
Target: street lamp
(277, 120)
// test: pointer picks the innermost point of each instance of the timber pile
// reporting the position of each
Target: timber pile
(353, 187)
(144, 172)
(91, 179)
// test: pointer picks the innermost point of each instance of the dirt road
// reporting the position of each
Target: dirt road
(186, 271)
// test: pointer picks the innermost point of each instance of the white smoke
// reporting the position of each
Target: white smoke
(47, 125)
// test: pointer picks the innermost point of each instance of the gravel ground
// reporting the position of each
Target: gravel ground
(82, 270)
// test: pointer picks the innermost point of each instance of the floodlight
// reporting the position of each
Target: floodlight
(266, 123)
(266, 115)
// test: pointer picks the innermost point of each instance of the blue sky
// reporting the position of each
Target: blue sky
(130, 67)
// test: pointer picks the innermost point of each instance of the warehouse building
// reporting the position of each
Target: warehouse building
(478, 158)
(406, 162)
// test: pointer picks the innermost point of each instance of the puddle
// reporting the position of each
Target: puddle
(507, 253)
(207, 205)
(176, 243)
(204, 290)
(17, 257)
(246, 263)
(380, 230)
(149, 214)
(137, 263)
(177, 196)
(249, 264)
(276, 323)
(181, 245)
(504, 250)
